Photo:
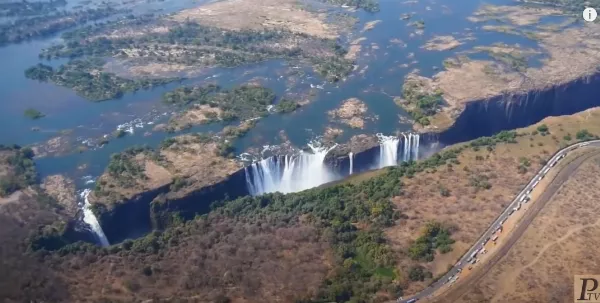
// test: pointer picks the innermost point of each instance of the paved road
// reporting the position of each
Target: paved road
(497, 223)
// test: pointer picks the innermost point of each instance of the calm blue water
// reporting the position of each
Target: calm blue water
(376, 87)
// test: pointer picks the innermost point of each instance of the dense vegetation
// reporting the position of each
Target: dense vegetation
(242, 102)
(434, 236)
(195, 45)
(26, 28)
(89, 81)
(17, 170)
(286, 106)
(26, 8)
(490, 142)
(419, 104)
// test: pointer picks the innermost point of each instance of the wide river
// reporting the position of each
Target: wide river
(390, 51)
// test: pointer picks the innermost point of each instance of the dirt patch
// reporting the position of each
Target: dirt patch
(506, 49)
(195, 115)
(517, 15)
(248, 14)
(370, 25)
(507, 29)
(331, 133)
(442, 43)
(351, 112)
(62, 189)
(354, 48)
(12, 198)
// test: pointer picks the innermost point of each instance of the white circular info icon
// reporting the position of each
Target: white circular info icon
(589, 14)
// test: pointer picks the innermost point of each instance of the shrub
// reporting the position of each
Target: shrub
(418, 273)
(434, 235)
(33, 113)
(584, 135)
(542, 128)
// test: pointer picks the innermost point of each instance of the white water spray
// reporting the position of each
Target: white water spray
(388, 150)
(406, 148)
(351, 157)
(287, 174)
(410, 147)
(91, 220)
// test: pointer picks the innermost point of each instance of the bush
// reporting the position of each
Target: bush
(444, 191)
(418, 273)
(286, 106)
(33, 114)
(567, 137)
(584, 135)
(542, 128)
(434, 236)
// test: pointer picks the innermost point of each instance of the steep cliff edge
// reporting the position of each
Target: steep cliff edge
(565, 56)
(139, 183)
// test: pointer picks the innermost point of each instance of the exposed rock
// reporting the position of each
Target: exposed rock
(442, 43)
(357, 144)
(370, 25)
(331, 133)
(351, 112)
(62, 189)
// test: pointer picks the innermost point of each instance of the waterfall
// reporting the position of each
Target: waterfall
(288, 174)
(410, 147)
(406, 148)
(91, 220)
(415, 147)
(350, 156)
(388, 150)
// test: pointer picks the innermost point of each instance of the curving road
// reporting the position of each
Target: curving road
(460, 289)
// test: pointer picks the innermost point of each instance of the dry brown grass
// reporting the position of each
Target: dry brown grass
(442, 43)
(195, 115)
(351, 112)
(244, 261)
(248, 14)
(187, 158)
(517, 15)
(560, 243)
(470, 209)
(62, 189)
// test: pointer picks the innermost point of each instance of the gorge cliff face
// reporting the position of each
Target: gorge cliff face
(166, 194)
(510, 111)
(184, 176)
